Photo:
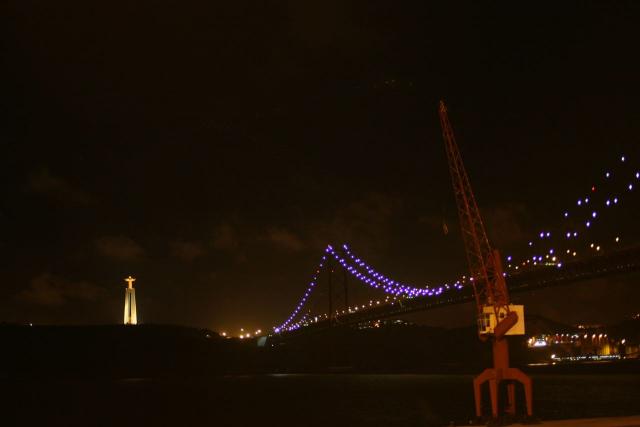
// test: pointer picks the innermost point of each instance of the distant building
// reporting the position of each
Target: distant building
(384, 323)
(130, 315)
(585, 342)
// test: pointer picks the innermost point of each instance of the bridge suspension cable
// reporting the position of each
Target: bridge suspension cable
(548, 247)
(574, 236)
(369, 276)
(366, 275)
(306, 295)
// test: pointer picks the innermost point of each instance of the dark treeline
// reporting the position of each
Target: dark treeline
(146, 351)
(117, 351)
(166, 350)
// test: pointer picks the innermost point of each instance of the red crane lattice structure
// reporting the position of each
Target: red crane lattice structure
(484, 277)
(496, 317)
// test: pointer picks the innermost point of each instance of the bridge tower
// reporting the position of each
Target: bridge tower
(497, 318)
(333, 288)
(130, 314)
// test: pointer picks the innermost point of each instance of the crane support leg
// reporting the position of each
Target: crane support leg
(499, 373)
(510, 408)
(489, 285)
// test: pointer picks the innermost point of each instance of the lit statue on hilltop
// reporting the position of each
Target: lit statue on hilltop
(130, 316)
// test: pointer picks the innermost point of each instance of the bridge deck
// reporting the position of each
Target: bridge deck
(620, 262)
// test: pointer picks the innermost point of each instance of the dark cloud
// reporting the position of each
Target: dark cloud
(505, 224)
(364, 222)
(285, 239)
(225, 238)
(187, 251)
(320, 24)
(438, 223)
(118, 247)
(57, 188)
(49, 290)
(317, 122)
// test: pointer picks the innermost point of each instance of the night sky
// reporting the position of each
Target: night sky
(212, 149)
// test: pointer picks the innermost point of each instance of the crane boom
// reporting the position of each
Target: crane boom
(484, 264)
(496, 317)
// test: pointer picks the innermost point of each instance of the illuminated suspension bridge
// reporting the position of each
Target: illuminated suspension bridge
(566, 253)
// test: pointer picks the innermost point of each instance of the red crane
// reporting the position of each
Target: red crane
(497, 318)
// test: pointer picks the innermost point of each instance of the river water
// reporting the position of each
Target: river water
(298, 400)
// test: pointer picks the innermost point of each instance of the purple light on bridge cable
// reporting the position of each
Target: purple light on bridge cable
(286, 324)
(394, 287)
(368, 276)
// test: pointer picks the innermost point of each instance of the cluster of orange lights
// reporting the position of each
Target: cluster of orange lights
(242, 334)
